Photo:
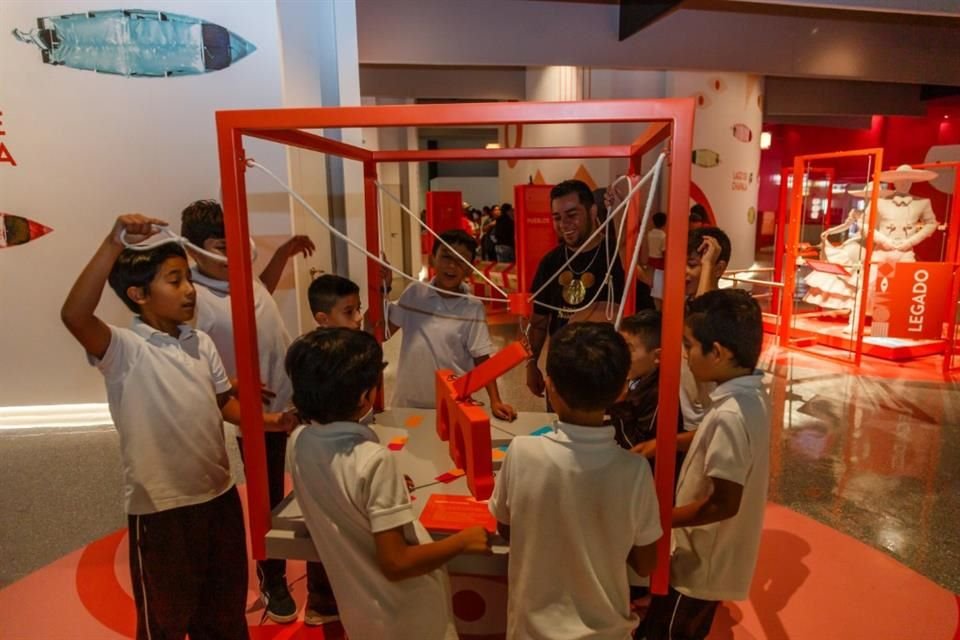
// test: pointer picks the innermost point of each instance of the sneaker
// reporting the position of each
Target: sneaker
(278, 603)
(320, 610)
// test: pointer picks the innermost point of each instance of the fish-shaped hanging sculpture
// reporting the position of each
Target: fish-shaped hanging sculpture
(706, 158)
(135, 42)
(742, 133)
(16, 230)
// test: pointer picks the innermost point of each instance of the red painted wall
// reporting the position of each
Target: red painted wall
(905, 140)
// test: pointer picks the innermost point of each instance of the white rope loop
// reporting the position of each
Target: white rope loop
(336, 232)
(641, 235)
(620, 209)
(167, 236)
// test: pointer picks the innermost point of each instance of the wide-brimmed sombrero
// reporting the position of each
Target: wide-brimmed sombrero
(907, 173)
(867, 189)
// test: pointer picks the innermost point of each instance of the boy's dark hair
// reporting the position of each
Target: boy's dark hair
(695, 239)
(330, 369)
(731, 318)
(659, 219)
(506, 207)
(326, 290)
(455, 237)
(698, 213)
(139, 268)
(201, 220)
(578, 187)
(644, 325)
(588, 363)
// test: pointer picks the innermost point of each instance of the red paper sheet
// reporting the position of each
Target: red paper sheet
(453, 513)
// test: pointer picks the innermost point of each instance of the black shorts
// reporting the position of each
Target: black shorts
(188, 568)
(678, 617)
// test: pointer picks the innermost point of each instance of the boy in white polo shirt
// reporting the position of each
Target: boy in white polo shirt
(722, 491)
(442, 331)
(168, 394)
(385, 570)
(201, 223)
(576, 507)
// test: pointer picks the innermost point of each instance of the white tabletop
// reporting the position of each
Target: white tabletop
(424, 457)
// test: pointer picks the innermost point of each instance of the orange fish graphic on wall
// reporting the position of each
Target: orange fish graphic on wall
(742, 133)
(16, 230)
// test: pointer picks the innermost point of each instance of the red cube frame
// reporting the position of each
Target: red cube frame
(669, 118)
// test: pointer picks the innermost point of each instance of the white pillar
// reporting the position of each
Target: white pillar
(726, 140)
(320, 67)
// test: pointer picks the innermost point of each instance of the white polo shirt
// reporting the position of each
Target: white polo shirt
(162, 393)
(576, 504)
(214, 318)
(438, 333)
(348, 487)
(694, 397)
(716, 561)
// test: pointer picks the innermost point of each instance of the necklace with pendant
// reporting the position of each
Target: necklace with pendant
(574, 284)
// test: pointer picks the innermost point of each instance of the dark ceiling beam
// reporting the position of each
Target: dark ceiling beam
(636, 15)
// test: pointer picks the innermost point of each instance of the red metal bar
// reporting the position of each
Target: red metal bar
(790, 270)
(790, 267)
(868, 254)
(681, 150)
(778, 241)
(311, 142)
(483, 374)
(232, 167)
(678, 112)
(653, 135)
(513, 153)
(951, 345)
(464, 114)
(371, 207)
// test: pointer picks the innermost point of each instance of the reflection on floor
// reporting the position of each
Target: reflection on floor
(872, 453)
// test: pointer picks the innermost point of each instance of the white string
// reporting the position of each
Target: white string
(154, 241)
(641, 237)
(296, 196)
(423, 224)
(620, 209)
(384, 294)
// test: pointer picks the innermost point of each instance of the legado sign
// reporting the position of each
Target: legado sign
(910, 300)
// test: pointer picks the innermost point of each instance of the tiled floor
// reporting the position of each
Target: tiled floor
(873, 453)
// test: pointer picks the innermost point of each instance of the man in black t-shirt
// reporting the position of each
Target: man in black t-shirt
(574, 220)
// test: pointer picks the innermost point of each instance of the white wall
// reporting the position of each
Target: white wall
(91, 146)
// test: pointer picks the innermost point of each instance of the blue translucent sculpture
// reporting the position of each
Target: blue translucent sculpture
(134, 42)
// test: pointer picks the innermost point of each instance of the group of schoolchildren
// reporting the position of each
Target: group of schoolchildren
(577, 504)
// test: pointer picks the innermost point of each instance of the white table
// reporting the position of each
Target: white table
(423, 458)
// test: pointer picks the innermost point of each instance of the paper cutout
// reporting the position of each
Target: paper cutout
(454, 513)
(450, 476)
(542, 431)
(397, 443)
(412, 422)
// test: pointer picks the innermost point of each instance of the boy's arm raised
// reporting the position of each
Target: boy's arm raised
(399, 560)
(270, 276)
(79, 309)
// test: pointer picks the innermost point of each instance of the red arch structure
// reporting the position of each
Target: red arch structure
(669, 120)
